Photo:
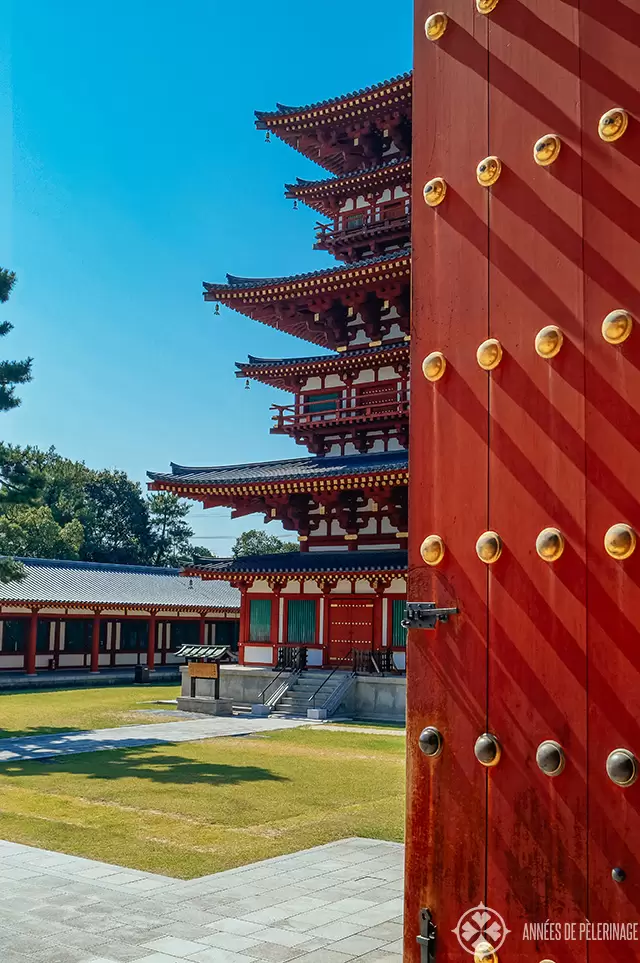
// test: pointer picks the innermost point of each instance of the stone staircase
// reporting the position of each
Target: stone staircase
(295, 701)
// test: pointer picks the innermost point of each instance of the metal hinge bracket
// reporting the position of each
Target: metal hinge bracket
(427, 937)
(425, 615)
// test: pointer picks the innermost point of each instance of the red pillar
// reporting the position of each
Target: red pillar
(30, 652)
(151, 646)
(203, 629)
(95, 644)
(244, 621)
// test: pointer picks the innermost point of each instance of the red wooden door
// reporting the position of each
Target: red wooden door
(611, 211)
(350, 627)
(541, 651)
(537, 620)
(447, 670)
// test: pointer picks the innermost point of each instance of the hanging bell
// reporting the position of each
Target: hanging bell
(217, 309)
(267, 137)
(247, 385)
(295, 205)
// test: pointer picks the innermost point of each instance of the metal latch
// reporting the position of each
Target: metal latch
(427, 938)
(425, 615)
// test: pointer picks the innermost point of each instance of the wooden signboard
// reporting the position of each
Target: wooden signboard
(204, 670)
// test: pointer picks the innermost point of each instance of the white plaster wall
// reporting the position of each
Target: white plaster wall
(260, 586)
(262, 654)
(292, 588)
(328, 548)
(363, 587)
(398, 587)
(333, 381)
(365, 377)
(386, 528)
(312, 384)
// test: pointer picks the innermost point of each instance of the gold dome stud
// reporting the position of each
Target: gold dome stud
(488, 171)
(620, 541)
(613, 124)
(549, 341)
(484, 952)
(432, 550)
(489, 547)
(434, 365)
(547, 149)
(434, 191)
(550, 544)
(486, 6)
(617, 327)
(435, 25)
(489, 354)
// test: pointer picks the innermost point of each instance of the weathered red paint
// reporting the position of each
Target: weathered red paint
(539, 650)
(447, 670)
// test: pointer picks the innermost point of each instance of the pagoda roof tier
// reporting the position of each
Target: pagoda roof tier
(297, 304)
(287, 373)
(310, 565)
(340, 134)
(310, 474)
(322, 195)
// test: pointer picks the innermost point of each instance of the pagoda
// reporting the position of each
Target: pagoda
(343, 592)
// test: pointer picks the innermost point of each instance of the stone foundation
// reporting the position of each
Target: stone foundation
(372, 698)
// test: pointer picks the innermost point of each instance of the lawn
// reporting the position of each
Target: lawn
(196, 808)
(37, 713)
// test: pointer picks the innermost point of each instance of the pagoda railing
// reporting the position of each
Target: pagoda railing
(328, 234)
(307, 415)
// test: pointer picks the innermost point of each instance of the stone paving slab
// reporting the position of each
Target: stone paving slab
(127, 737)
(66, 909)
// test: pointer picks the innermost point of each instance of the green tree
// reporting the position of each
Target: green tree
(169, 530)
(254, 542)
(115, 519)
(16, 484)
(201, 551)
(32, 531)
(12, 373)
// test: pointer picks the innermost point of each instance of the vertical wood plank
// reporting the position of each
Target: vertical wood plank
(537, 622)
(446, 682)
(610, 77)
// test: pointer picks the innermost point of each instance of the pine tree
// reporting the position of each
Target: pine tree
(12, 373)
(17, 484)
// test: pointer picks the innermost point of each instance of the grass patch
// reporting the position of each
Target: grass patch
(363, 724)
(64, 710)
(196, 808)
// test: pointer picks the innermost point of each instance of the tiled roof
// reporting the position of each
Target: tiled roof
(387, 560)
(235, 282)
(284, 111)
(317, 194)
(254, 362)
(77, 583)
(329, 466)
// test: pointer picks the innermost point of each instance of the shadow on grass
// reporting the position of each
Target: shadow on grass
(139, 764)
(32, 732)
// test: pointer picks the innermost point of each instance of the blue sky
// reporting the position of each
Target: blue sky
(136, 173)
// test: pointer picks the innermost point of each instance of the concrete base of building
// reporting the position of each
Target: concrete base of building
(371, 699)
(205, 704)
(316, 714)
(257, 709)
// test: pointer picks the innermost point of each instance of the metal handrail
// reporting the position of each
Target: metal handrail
(345, 658)
(269, 684)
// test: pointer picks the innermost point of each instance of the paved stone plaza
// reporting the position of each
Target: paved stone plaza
(332, 904)
(196, 727)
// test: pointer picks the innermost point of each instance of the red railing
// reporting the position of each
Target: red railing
(307, 415)
(327, 232)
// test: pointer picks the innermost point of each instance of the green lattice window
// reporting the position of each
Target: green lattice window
(301, 621)
(398, 632)
(260, 620)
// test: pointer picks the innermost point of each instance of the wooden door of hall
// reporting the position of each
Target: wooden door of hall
(350, 627)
